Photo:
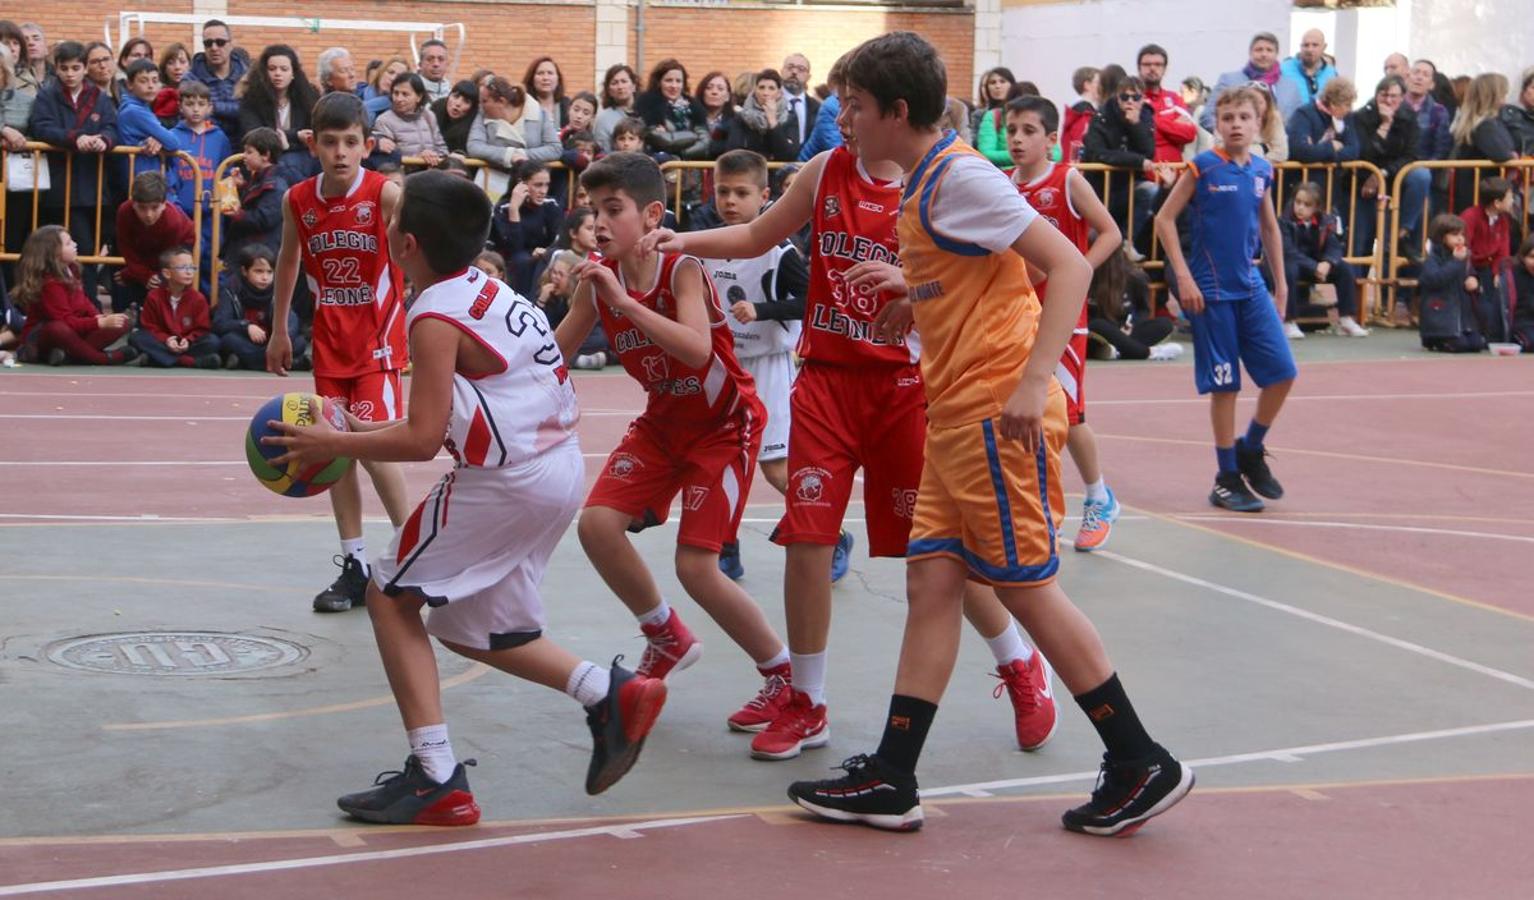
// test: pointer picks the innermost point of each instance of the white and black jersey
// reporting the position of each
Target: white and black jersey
(775, 283)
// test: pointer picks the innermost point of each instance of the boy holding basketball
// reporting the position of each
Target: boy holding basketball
(333, 228)
(990, 491)
(1063, 198)
(489, 376)
(698, 436)
(1234, 320)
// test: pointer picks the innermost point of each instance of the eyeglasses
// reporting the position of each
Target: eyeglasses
(210, 43)
(182, 268)
(1130, 98)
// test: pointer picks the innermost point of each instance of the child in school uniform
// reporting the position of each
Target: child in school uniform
(1235, 320)
(1448, 291)
(243, 318)
(207, 144)
(1313, 255)
(175, 327)
(61, 324)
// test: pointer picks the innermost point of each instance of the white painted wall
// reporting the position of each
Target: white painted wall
(1045, 43)
(1468, 37)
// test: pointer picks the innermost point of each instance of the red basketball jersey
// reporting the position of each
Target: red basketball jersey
(359, 296)
(686, 395)
(854, 221)
(1050, 195)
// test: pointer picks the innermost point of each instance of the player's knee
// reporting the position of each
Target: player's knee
(599, 527)
(696, 566)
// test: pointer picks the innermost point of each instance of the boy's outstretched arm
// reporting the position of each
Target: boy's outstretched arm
(771, 228)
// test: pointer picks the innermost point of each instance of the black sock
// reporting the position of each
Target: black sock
(1114, 718)
(905, 731)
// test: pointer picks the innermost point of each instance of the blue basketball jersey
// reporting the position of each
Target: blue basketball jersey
(1225, 225)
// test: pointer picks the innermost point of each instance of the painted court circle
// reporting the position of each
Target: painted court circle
(174, 653)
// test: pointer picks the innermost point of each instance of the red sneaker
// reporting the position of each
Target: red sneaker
(760, 710)
(799, 726)
(1030, 686)
(670, 647)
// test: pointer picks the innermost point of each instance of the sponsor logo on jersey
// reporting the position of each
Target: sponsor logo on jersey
(1224, 188)
(364, 213)
(483, 300)
(930, 290)
(311, 218)
(870, 206)
(810, 485)
(833, 206)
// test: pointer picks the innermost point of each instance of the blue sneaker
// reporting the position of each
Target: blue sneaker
(841, 559)
(1097, 520)
(729, 562)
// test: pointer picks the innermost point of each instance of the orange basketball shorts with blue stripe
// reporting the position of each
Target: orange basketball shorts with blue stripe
(990, 504)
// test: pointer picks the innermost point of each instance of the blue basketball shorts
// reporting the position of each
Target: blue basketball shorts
(1231, 333)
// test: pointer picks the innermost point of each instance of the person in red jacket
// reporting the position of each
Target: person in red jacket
(1487, 227)
(175, 328)
(1175, 127)
(62, 325)
(1078, 116)
(147, 226)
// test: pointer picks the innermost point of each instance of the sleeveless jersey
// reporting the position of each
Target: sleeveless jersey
(754, 281)
(680, 394)
(1050, 196)
(854, 221)
(529, 406)
(975, 308)
(1225, 227)
(359, 308)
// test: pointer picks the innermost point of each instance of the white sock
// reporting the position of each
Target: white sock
(588, 684)
(1097, 491)
(810, 675)
(1009, 645)
(774, 662)
(656, 616)
(357, 548)
(430, 746)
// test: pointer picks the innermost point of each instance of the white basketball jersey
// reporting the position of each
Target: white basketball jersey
(529, 406)
(754, 281)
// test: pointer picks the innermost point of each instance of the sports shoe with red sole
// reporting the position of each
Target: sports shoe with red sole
(799, 726)
(410, 797)
(619, 725)
(669, 647)
(1029, 685)
(760, 710)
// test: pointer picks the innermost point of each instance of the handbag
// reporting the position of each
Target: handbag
(26, 172)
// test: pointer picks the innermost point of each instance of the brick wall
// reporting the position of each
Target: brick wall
(505, 36)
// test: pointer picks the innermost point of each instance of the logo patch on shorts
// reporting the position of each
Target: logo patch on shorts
(622, 465)
(694, 498)
(810, 485)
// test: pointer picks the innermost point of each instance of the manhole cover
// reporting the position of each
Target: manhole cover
(174, 653)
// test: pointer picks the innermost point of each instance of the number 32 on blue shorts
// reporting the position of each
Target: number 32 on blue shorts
(1232, 333)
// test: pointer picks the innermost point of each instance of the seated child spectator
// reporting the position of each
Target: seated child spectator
(174, 63)
(242, 321)
(257, 219)
(1118, 314)
(1521, 280)
(137, 125)
(492, 264)
(408, 127)
(1488, 226)
(1447, 289)
(1313, 255)
(11, 324)
(147, 226)
(174, 328)
(555, 288)
(526, 225)
(61, 324)
(580, 232)
(628, 135)
(207, 144)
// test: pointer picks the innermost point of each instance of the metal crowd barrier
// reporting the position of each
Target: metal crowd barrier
(37, 152)
(1520, 171)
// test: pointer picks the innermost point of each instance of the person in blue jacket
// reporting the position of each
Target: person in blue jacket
(221, 66)
(137, 125)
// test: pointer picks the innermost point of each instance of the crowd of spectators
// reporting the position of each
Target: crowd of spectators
(225, 100)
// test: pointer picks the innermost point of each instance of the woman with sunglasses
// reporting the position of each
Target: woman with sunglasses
(1123, 135)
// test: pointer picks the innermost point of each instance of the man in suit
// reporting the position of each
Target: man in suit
(797, 99)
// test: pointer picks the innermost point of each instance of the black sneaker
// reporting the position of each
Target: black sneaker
(619, 725)
(410, 797)
(1254, 466)
(57, 357)
(1230, 492)
(350, 589)
(871, 792)
(209, 361)
(1129, 793)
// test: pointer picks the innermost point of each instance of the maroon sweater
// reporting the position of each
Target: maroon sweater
(190, 320)
(141, 245)
(1488, 240)
(59, 301)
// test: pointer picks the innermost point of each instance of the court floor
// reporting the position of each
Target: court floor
(1350, 673)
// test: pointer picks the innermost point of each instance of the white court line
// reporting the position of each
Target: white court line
(1465, 395)
(1362, 526)
(625, 830)
(91, 417)
(1283, 754)
(1328, 621)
